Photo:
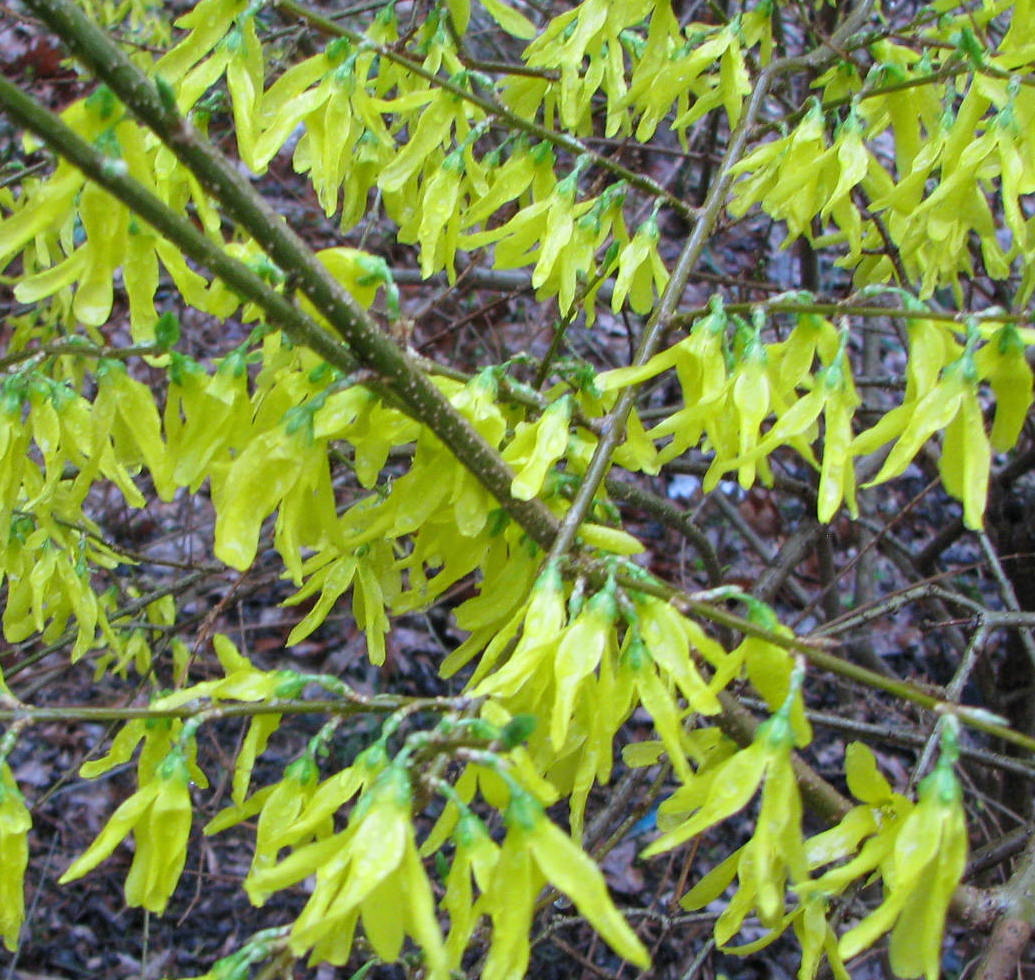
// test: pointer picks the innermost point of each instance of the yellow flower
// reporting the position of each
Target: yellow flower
(776, 850)
(536, 447)
(789, 175)
(536, 851)
(295, 810)
(750, 402)
(817, 938)
(1004, 364)
(770, 669)
(637, 674)
(920, 873)
(704, 381)
(640, 270)
(281, 808)
(966, 458)
(657, 665)
(15, 822)
(726, 790)
(439, 213)
(476, 856)
(837, 473)
(951, 405)
(245, 682)
(578, 655)
(861, 842)
(543, 619)
(877, 820)
(159, 815)
(371, 873)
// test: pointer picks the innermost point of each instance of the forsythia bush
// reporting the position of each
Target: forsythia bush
(896, 145)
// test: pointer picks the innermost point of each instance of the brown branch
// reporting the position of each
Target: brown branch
(1013, 930)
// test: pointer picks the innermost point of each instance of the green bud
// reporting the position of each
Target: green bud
(518, 730)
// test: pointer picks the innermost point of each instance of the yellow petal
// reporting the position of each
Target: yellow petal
(118, 826)
(568, 867)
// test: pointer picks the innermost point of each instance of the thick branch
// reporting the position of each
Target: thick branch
(1013, 931)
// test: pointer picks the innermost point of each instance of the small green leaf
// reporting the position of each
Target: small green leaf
(167, 331)
(517, 731)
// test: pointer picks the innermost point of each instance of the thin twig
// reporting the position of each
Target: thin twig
(1007, 591)
(671, 516)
